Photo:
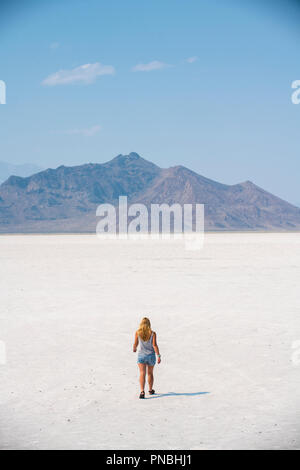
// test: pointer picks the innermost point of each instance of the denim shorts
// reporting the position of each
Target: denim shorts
(148, 359)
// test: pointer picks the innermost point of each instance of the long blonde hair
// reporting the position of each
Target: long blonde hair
(144, 330)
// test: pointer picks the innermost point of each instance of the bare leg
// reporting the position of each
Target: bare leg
(142, 368)
(150, 377)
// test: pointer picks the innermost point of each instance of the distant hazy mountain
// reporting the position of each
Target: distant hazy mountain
(8, 169)
(65, 199)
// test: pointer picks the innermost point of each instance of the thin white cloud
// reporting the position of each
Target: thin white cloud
(89, 132)
(154, 65)
(84, 73)
(54, 45)
(191, 60)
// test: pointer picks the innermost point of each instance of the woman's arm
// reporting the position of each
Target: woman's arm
(155, 346)
(136, 342)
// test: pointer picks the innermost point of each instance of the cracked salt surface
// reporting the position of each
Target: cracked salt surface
(226, 319)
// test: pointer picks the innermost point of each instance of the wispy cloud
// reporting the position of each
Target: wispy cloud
(84, 73)
(54, 45)
(154, 65)
(89, 132)
(191, 60)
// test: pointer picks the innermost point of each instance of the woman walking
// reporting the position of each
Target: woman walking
(146, 339)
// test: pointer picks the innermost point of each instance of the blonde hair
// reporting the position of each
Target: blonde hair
(144, 330)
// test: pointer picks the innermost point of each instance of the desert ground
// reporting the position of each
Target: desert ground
(227, 319)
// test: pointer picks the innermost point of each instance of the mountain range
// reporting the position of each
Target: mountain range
(65, 199)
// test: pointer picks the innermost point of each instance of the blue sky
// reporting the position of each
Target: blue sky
(202, 83)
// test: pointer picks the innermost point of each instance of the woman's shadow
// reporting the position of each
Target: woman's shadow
(173, 394)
